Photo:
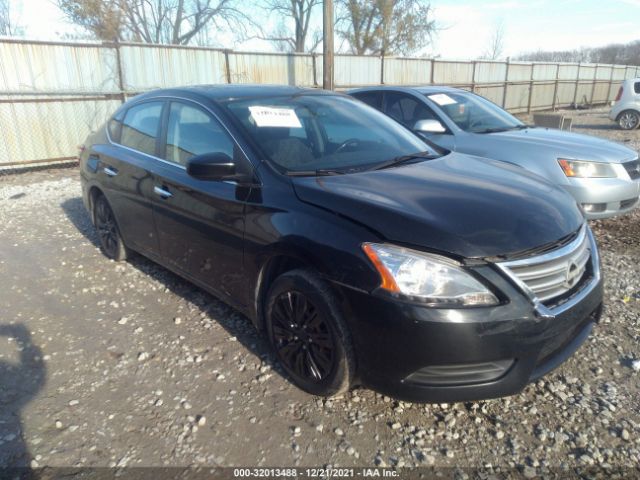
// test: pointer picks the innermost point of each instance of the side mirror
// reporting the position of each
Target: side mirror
(211, 166)
(429, 126)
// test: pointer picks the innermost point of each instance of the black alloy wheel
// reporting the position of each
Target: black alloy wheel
(308, 334)
(108, 232)
(304, 342)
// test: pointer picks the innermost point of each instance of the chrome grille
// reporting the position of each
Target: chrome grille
(548, 277)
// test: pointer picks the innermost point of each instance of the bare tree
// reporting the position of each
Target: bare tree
(8, 23)
(387, 27)
(102, 18)
(155, 21)
(296, 39)
(496, 43)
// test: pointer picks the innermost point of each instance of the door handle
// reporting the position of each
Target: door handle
(112, 172)
(162, 191)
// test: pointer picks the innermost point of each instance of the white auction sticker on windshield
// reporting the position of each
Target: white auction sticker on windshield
(275, 117)
(442, 99)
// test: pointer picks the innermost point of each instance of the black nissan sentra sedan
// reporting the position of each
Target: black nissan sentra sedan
(363, 254)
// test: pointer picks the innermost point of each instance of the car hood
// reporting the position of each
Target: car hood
(460, 205)
(561, 143)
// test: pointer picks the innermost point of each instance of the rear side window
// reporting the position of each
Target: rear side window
(636, 87)
(192, 131)
(140, 127)
(373, 99)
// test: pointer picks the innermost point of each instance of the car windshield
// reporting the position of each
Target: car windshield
(311, 133)
(474, 114)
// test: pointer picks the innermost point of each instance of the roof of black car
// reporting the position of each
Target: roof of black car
(228, 92)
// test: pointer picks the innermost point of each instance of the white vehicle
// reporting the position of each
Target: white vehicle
(626, 110)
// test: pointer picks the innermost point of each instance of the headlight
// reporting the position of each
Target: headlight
(429, 278)
(581, 169)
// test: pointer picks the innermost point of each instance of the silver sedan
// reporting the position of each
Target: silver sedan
(603, 176)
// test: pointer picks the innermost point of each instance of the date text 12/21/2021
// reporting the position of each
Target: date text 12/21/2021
(314, 472)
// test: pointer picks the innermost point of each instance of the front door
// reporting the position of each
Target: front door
(200, 223)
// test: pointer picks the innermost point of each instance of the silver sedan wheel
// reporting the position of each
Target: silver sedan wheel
(629, 120)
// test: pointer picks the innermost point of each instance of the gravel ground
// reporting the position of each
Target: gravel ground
(106, 364)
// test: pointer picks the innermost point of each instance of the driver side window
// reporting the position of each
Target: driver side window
(407, 110)
(191, 131)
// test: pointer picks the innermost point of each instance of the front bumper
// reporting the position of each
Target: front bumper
(396, 342)
(613, 196)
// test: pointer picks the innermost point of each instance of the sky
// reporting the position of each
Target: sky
(466, 26)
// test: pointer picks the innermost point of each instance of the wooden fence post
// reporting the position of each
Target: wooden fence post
(473, 77)
(433, 69)
(593, 87)
(123, 95)
(314, 69)
(506, 83)
(555, 88)
(227, 66)
(533, 66)
(575, 93)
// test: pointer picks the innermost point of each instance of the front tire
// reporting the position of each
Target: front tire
(111, 242)
(629, 120)
(308, 334)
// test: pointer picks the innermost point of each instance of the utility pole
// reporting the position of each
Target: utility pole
(327, 44)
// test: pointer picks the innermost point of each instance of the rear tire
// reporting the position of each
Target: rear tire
(629, 120)
(306, 329)
(111, 242)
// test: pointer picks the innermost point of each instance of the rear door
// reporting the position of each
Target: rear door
(200, 223)
(124, 167)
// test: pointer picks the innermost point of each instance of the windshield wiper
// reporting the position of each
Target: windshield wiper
(405, 158)
(502, 129)
(320, 172)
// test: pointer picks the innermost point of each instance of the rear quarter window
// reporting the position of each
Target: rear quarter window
(636, 87)
(115, 126)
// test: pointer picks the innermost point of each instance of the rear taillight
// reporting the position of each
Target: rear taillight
(80, 150)
(619, 96)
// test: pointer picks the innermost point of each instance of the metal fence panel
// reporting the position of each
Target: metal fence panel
(619, 73)
(145, 68)
(603, 72)
(353, 71)
(407, 71)
(584, 92)
(490, 72)
(566, 92)
(542, 96)
(452, 73)
(601, 93)
(43, 131)
(289, 69)
(42, 67)
(587, 72)
(517, 98)
(493, 93)
(519, 72)
(544, 71)
(568, 71)
(53, 93)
